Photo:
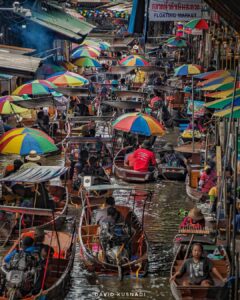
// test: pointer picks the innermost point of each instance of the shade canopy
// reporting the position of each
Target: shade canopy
(22, 144)
(34, 88)
(227, 113)
(134, 60)
(87, 62)
(68, 79)
(186, 70)
(222, 103)
(214, 81)
(212, 74)
(139, 123)
(197, 24)
(7, 107)
(86, 51)
(177, 42)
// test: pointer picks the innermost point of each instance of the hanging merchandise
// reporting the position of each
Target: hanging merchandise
(179, 29)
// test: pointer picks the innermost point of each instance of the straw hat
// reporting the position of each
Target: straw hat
(196, 214)
(32, 156)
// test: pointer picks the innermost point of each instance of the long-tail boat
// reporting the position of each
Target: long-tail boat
(126, 173)
(172, 173)
(56, 270)
(36, 178)
(131, 256)
(216, 291)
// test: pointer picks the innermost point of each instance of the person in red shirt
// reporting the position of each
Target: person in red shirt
(145, 159)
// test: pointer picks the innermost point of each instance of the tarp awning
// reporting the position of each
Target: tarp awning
(35, 175)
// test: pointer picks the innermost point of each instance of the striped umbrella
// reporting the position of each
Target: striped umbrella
(22, 130)
(87, 62)
(34, 88)
(186, 70)
(224, 94)
(22, 144)
(138, 123)
(177, 42)
(7, 107)
(223, 103)
(68, 79)
(104, 45)
(134, 61)
(85, 51)
(221, 87)
(197, 24)
(226, 113)
(213, 74)
(91, 43)
(213, 81)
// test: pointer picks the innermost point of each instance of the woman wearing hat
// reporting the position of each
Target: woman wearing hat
(195, 219)
(31, 160)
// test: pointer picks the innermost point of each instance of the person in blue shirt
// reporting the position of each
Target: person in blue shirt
(27, 246)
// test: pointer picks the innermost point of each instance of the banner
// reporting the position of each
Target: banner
(198, 108)
(181, 10)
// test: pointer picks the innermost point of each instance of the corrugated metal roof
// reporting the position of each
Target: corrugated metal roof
(17, 64)
(35, 175)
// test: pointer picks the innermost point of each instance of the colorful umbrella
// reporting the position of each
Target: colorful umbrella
(220, 87)
(213, 74)
(218, 80)
(197, 24)
(87, 62)
(68, 79)
(32, 89)
(104, 46)
(85, 51)
(22, 130)
(154, 101)
(138, 123)
(22, 144)
(224, 94)
(134, 61)
(223, 103)
(92, 44)
(227, 113)
(186, 70)
(177, 42)
(7, 107)
(46, 83)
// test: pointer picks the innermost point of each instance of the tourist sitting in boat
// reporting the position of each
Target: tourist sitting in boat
(194, 220)
(172, 158)
(207, 180)
(93, 168)
(101, 214)
(198, 269)
(12, 168)
(32, 160)
(89, 129)
(145, 159)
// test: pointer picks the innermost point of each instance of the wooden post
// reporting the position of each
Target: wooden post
(236, 276)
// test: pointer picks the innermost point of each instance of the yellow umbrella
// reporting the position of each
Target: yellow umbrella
(223, 94)
(227, 112)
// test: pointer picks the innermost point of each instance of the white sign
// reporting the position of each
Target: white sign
(181, 10)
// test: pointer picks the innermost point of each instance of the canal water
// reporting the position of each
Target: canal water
(161, 223)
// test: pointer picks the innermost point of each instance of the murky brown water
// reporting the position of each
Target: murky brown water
(161, 222)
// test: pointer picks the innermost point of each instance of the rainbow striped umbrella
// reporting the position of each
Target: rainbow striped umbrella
(85, 51)
(104, 45)
(213, 81)
(34, 88)
(68, 79)
(138, 123)
(22, 130)
(134, 61)
(186, 70)
(91, 43)
(176, 42)
(224, 94)
(87, 62)
(213, 74)
(197, 24)
(7, 107)
(223, 103)
(227, 113)
(221, 87)
(22, 144)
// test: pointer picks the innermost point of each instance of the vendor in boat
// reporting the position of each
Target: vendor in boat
(207, 180)
(213, 196)
(32, 160)
(172, 158)
(198, 269)
(102, 213)
(194, 220)
(145, 160)
(89, 129)
(12, 168)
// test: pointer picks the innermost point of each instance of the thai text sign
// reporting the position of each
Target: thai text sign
(181, 10)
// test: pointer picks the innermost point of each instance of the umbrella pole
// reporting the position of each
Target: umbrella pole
(193, 145)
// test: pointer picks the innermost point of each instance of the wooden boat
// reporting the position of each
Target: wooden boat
(91, 248)
(127, 174)
(124, 104)
(193, 193)
(35, 177)
(197, 292)
(172, 173)
(58, 268)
